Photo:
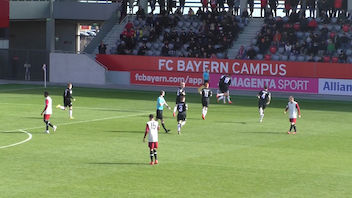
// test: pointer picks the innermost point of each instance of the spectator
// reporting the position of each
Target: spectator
(237, 7)
(182, 5)
(142, 49)
(342, 57)
(165, 49)
(231, 3)
(251, 7)
(311, 6)
(152, 4)
(263, 6)
(287, 7)
(330, 47)
(102, 48)
(273, 5)
(140, 13)
(205, 5)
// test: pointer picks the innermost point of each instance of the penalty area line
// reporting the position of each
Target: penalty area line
(21, 142)
(86, 121)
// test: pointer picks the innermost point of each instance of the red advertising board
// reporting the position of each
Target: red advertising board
(220, 66)
(4, 13)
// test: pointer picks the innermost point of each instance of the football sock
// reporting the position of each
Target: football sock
(294, 127)
(228, 98)
(162, 124)
(291, 127)
(205, 111)
(155, 155)
(183, 123)
(62, 108)
(70, 112)
(221, 97)
(178, 127)
(175, 108)
(151, 155)
(225, 99)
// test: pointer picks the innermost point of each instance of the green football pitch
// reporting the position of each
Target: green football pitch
(100, 153)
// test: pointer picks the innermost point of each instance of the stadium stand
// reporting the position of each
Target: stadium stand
(204, 34)
(296, 38)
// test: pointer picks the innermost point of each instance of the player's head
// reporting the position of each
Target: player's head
(69, 85)
(151, 116)
(182, 98)
(182, 84)
(291, 99)
(46, 94)
(206, 85)
(266, 87)
(162, 93)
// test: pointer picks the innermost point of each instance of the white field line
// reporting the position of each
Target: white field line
(20, 89)
(21, 142)
(90, 108)
(86, 121)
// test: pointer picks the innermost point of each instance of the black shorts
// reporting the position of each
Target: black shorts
(67, 102)
(159, 114)
(224, 89)
(262, 105)
(181, 116)
(205, 102)
(177, 99)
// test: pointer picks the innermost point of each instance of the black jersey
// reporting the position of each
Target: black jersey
(68, 94)
(224, 83)
(206, 93)
(180, 92)
(181, 108)
(264, 97)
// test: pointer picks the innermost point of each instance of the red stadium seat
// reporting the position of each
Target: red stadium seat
(273, 49)
(335, 59)
(326, 59)
(345, 28)
(297, 26)
(267, 57)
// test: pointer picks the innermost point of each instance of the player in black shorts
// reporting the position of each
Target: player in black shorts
(223, 92)
(180, 92)
(206, 94)
(67, 100)
(264, 98)
(182, 108)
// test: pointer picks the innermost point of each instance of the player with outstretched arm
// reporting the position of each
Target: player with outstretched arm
(293, 108)
(152, 130)
(159, 109)
(180, 92)
(48, 110)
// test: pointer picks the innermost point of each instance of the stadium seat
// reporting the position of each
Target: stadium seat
(275, 57)
(326, 59)
(259, 57)
(301, 58)
(284, 57)
(335, 59)
(292, 58)
(317, 58)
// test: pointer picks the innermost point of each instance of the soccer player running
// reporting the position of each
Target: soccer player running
(264, 98)
(292, 107)
(180, 92)
(159, 109)
(67, 100)
(182, 108)
(206, 94)
(223, 92)
(48, 110)
(152, 130)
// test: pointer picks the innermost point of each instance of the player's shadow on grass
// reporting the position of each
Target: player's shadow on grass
(119, 163)
(115, 131)
(231, 122)
(34, 117)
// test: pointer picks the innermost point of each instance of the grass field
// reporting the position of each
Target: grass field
(101, 154)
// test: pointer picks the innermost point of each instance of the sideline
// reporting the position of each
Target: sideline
(21, 142)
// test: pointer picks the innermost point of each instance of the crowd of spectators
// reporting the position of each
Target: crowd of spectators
(327, 38)
(201, 34)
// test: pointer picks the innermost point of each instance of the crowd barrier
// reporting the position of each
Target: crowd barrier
(302, 77)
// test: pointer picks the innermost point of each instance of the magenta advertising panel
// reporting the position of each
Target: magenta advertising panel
(283, 84)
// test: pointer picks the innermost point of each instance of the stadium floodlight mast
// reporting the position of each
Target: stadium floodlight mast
(44, 70)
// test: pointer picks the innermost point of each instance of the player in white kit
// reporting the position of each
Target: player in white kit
(48, 110)
(152, 129)
(292, 108)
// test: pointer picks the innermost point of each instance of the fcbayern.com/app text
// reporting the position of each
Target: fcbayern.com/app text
(168, 79)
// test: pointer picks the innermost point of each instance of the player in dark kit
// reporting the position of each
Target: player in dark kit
(182, 108)
(264, 98)
(67, 100)
(180, 92)
(223, 92)
(206, 94)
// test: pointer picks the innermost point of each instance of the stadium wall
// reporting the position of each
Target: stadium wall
(75, 68)
(299, 77)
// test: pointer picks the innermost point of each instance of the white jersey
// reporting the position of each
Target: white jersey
(49, 108)
(153, 131)
(293, 108)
